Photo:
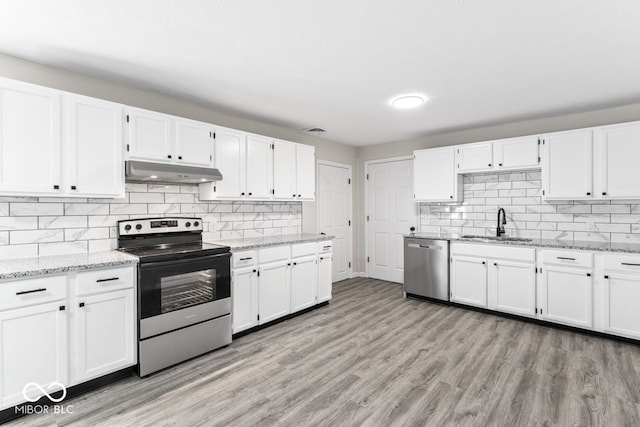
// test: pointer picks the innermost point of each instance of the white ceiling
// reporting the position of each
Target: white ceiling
(335, 64)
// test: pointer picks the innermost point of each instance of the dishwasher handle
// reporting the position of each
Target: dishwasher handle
(418, 246)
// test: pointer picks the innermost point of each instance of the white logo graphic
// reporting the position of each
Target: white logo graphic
(40, 391)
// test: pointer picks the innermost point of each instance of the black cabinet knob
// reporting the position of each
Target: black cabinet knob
(499, 164)
(73, 187)
(489, 164)
(604, 193)
(250, 194)
(168, 156)
(56, 187)
(299, 195)
(483, 263)
(495, 263)
(242, 194)
(179, 157)
(451, 197)
(81, 304)
(293, 195)
(588, 194)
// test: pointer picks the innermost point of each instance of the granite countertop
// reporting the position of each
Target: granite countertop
(261, 242)
(54, 264)
(541, 243)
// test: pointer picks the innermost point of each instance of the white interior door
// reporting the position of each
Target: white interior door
(391, 213)
(334, 215)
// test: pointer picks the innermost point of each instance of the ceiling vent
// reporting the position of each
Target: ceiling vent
(315, 130)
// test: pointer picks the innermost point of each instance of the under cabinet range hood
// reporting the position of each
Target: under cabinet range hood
(163, 173)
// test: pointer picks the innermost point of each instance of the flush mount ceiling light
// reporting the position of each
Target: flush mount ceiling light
(404, 102)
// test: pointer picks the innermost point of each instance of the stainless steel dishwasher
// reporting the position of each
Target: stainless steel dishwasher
(426, 268)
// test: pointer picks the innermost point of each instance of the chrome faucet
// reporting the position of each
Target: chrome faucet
(500, 229)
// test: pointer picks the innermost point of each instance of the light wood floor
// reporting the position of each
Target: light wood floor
(374, 358)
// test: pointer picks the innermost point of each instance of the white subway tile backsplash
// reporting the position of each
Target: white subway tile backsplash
(519, 193)
(30, 226)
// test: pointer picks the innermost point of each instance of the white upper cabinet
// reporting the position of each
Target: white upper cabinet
(30, 139)
(305, 172)
(567, 160)
(228, 157)
(434, 176)
(475, 157)
(616, 154)
(149, 135)
(193, 142)
(259, 163)
(284, 170)
(94, 165)
(516, 153)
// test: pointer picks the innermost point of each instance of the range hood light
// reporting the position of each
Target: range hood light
(153, 176)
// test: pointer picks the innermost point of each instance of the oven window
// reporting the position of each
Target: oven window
(184, 290)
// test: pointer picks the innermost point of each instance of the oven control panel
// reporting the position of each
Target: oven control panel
(158, 225)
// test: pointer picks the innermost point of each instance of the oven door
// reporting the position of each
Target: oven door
(174, 294)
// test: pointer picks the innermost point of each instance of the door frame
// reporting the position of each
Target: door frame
(366, 203)
(350, 207)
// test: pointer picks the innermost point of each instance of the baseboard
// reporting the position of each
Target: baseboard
(355, 274)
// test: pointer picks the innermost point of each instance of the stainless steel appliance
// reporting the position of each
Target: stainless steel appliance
(184, 290)
(168, 173)
(426, 268)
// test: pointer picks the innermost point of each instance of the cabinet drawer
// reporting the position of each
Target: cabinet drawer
(326, 246)
(96, 281)
(244, 259)
(39, 290)
(571, 258)
(279, 253)
(303, 249)
(629, 263)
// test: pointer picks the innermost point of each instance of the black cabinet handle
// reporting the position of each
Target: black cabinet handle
(499, 164)
(33, 291)
(246, 259)
(489, 164)
(604, 193)
(110, 279)
(483, 263)
(62, 308)
(588, 194)
(168, 156)
(451, 197)
(495, 263)
(567, 258)
(250, 194)
(73, 187)
(179, 157)
(630, 263)
(81, 304)
(299, 195)
(56, 187)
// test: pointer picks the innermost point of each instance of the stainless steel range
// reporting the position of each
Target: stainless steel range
(184, 290)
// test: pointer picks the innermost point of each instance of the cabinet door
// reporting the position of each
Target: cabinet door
(617, 153)
(29, 139)
(228, 157)
(194, 143)
(324, 277)
(513, 287)
(244, 298)
(305, 172)
(434, 175)
(105, 334)
(567, 296)
(475, 157)
(259, 167)
(304, 283)
(94, 147)
(621, 296)
(284, 170)
(567, 165)
(516, 153)
(149, 135)
(274, 291)
(469, 281)
(33, 349)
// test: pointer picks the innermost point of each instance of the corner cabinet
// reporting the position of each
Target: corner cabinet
(434, 176)
(54, 143)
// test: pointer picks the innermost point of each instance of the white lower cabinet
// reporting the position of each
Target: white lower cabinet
(244, 298)
(273, 282)
(469, 280)
(36, 315)
(34, 347)
(567, 296)
(104, 337)
(620, 294)
(512, 286)
(304, 283)
(274, 291)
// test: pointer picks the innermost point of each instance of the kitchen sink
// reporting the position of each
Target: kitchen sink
(495, 238)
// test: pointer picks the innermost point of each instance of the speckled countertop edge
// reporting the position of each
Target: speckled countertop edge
(58, 264)
(263, 242)
(540, 243)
